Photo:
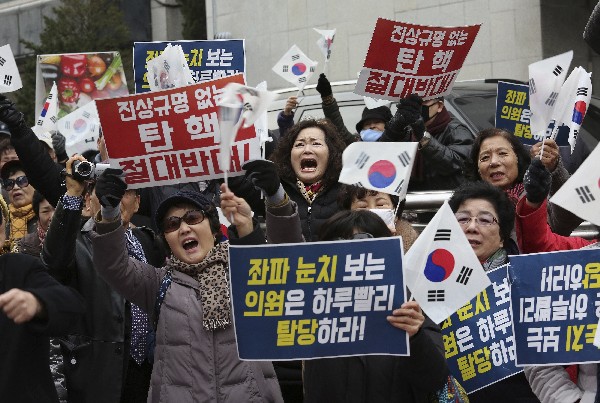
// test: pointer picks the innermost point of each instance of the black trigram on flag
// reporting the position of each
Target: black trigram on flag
(531, 86)
(584, 194)
(436, 295)
(68, 125)
(359, 184)
(40, 122)
(464, 275)
(551, 99)
(312, 69)
(362, 159)
(285, 68)
(399, 187)
(302, 79)
(295, 57)
(404, 159)
(7, 79)
(557, 70)
(2, 61)
(91, 140)
(86, 114)
(53, 119)
(582, 91)
(442, 235)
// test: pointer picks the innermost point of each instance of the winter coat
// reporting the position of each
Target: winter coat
(191, 364)
(24, 364)
(30, 244)
(96, 355)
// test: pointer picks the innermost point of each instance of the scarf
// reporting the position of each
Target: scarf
(41, 232)
(436, 127)
(213, 277)
(309, 192)
(497, 259)
(515, 192)
(19, 216)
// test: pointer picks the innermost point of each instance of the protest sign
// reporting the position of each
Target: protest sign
(10, 79)
(318, 299)
(555, 306)
(172, 136)
(406, 58)
(512, 111)
(581, 193)
(208, 60)
(379, 167)
(442, 271)
(478, 338)
(80, 77)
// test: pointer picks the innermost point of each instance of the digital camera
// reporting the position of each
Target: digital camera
(85, 170)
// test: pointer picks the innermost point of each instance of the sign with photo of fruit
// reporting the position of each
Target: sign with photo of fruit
(80, 78)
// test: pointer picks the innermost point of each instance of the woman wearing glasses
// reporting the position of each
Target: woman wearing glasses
(20, 195)
(188, 299)
(487, 217)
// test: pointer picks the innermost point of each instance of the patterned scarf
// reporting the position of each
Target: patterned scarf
(515, 192)
(19, 216)
(41, 232)
(309, 192)
(499, 258)
(213, 276)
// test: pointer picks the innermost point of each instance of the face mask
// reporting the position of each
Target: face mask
(387, 215)
(370, 135)
(425, 112)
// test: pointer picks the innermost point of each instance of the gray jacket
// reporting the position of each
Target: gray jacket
(191, 364)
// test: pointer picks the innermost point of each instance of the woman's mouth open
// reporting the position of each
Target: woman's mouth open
(308, 165)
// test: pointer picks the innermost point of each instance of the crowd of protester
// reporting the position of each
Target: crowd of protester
(143, 313)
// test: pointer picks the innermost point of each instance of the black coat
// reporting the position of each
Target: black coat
(96, 355)
(24, 349)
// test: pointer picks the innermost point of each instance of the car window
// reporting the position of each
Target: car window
(479, 110)
(351, 113)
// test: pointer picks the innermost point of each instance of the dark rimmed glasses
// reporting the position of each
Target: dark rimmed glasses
(20, 181)
(191, 217)
(483, 219)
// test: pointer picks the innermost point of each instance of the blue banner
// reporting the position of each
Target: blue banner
(208, 60)
(319, 299)
(478, 338)
(555, 306)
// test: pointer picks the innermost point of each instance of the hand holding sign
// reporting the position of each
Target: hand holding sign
(409, 317)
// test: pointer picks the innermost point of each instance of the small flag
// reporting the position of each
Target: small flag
(383, 167)
(48, 117)
(373, 103)
(80, 128)
(169, 69)
(295, 67)
(10, 80)
(261, 124)
(255, 101)
(441, 268)
(581, 193)
(325, 41)
(231, 107)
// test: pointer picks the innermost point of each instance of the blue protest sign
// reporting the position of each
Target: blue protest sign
(554, 303)
(319, 299)
(512, 111)
(208, 60)
(478, 338)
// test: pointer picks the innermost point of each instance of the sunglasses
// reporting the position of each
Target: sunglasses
(483, 219)
(20, 181)
(173, 223)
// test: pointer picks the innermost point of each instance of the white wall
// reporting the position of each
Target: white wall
(509, 38)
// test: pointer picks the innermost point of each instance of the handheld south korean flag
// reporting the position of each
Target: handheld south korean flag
(10, 79)
(441, 268)
(581, 193)
(81, 128)
(46, 122)
(295, 67)
(383, 167)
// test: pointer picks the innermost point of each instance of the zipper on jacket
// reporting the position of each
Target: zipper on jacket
(308, 224)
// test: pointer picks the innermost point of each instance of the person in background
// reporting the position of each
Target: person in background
(7, 152)
(33, 306)
(499, 158)
(487, 217)
(31, 243)
(20, 195)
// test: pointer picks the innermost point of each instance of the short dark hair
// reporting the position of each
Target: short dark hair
(348, 193)
(5, 145)
(495, 196)
(334, 141)
(523, 158)
(37, 199)
(343, 224)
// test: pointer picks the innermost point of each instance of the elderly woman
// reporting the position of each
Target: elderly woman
(486, 216)
(551, 383)
(196, 356)
(499, 158)
(352, 197)
(20, 195)
(377, 378)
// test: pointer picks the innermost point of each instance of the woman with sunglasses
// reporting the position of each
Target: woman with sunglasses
(487, 217)
(20, 195)
(188, 299)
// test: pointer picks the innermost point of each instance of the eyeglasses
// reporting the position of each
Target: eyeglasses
(192, 217)
(20, 181)
(483, 219)
(358, 235)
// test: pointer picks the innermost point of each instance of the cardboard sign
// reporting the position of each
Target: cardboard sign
(208, 60)
(406, 58)
(172, 136)
(319, 299)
